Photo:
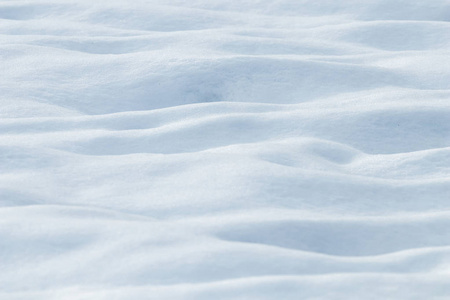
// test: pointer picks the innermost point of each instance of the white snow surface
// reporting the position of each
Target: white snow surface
(253, 149)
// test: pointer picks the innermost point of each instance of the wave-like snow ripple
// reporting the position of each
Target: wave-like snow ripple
(225, 149)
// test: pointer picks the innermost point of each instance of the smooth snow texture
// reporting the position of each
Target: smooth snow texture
(224, 149)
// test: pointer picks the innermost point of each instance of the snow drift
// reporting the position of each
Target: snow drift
(224, 149)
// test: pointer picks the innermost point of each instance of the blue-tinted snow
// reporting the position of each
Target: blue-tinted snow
(224, 149)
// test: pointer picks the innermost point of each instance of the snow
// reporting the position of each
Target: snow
(224, 149)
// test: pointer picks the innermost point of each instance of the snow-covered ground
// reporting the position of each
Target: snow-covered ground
(254, 149)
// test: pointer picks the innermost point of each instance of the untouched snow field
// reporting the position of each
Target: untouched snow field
(265, 149)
